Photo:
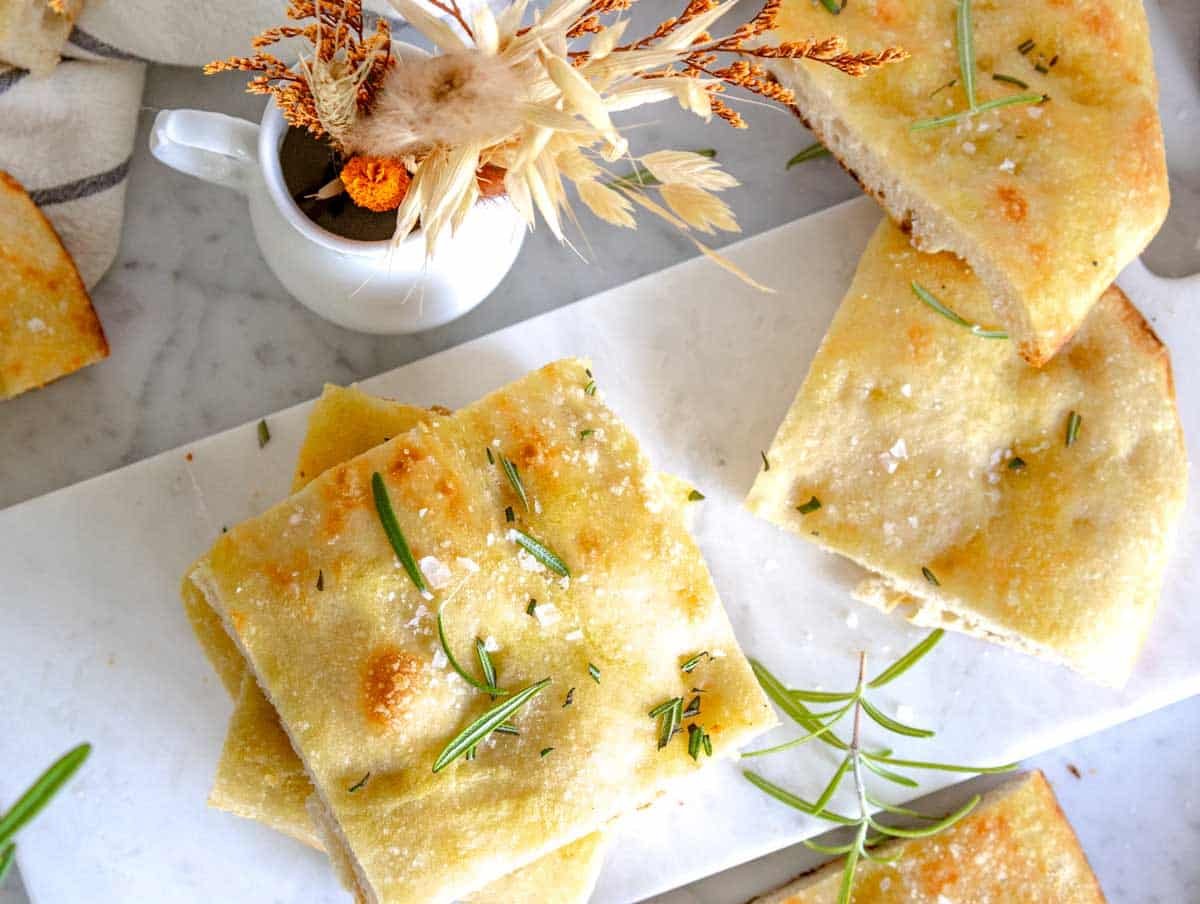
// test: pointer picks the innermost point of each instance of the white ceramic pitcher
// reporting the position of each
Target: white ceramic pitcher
(373, 287)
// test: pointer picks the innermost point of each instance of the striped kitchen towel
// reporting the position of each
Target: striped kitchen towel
(67, 131)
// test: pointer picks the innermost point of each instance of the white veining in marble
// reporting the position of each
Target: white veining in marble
(204, 338)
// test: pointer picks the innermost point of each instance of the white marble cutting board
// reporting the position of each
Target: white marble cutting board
(94, 644)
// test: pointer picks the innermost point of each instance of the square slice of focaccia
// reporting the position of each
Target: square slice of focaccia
(360, 680)
(259, 775)
(1046, 201)
(47, 325)
(940, 461)
(1015, 847)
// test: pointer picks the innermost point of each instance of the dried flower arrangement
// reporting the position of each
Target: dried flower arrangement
(513, 107)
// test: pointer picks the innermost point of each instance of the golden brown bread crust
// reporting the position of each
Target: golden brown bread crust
(1047, 202)
(1015, 847)
(930, 447)
(48, 327)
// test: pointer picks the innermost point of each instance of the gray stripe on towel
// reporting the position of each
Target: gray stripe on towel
(80, 188)
(89, 43)
(10, 77)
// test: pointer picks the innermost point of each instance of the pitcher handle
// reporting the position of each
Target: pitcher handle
(211, 146)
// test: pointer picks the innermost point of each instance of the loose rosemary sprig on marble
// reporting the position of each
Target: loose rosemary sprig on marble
(857, 761)
(30, 803)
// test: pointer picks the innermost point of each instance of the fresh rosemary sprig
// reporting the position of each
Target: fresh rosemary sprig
(539, 551)
(965, 41)
(930, 299)
(694, 661)
(477, 731)
(391, 527)
(812, 152)
(857, 761)
(35, 798)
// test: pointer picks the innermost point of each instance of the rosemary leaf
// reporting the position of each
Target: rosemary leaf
(584, 434)
(530, 607)
(694, 735)
(41, 791)
(899, 811)
(539, 551)
(1074, 419)
(833, 6)
(391, 527)
(811, 506)
(908, 660)
(695, 496)
(514, 477)
(264, 433)
(922, 125)
(966, 50)
(831, 789)
(694, 661)
(508, 514)
(590, 389)
(1025, 46)
(360, 784)
(881, 858)
(928, 298)
(7, 856)
(939, 767)
(835, 850)
(485, 662)
(819, 696)
(893, 725)
(894, 777)
(766, 464)
(463, 673)
(812, 152)
(1016, 463)
(851, 864)
(545, 752)
(997, 77)
(508, 728)
(794, 709)
(486, 724)
(570, 698)
(926, 831)
(490, 457)
(594, 672)
(930, 576)
(693, 708)
(706, 741)
(787, 797)
(320, 579)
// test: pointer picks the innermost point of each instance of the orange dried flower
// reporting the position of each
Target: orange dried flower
(376, 183)
(490, 180)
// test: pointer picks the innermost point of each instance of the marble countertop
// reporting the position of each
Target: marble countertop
(203, 338)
